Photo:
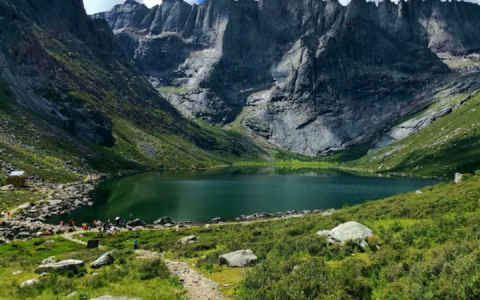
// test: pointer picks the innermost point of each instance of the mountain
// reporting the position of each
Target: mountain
(313, 77)
(71, 102)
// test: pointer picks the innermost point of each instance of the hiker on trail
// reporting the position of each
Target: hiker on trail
(131, 217)
(61, 223)
(135, 244)
(124, 223)
(117, 219)
(3, 214)
(8, 214)
(94, 224)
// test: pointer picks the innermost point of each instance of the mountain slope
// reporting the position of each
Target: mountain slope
(313, 77)
(70, 71)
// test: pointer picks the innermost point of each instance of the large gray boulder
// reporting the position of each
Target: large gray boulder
(239, 259)
(135, 223)
(348, 231)
(68, 264)
(115, 298)
(104, 260)
(187, 239)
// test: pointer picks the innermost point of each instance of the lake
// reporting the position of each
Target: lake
(229, 193)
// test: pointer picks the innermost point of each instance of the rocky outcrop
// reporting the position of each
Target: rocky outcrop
(350, 231)
(104, 260)
(239, 259)
(64, 265)
(329, 76)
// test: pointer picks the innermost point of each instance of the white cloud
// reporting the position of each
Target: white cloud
(95, 6)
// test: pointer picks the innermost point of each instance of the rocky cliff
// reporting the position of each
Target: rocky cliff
(68, 69)
(317, 76)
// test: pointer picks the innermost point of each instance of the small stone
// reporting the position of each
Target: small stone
(17, 272)
(418, 192)
(29, 283)
(71, 295)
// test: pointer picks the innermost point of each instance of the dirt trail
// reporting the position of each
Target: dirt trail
(198, 286)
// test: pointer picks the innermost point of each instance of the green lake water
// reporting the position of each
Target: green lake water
(229, 193)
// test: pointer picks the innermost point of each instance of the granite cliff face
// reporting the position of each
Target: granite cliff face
(69, 69)
(317, 77)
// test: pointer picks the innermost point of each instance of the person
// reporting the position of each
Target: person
(61, 223)
(94, 224)
(124, 223)
(135, 244)
(117, 219)
(8, 214)
(3, 214)
(131, 216)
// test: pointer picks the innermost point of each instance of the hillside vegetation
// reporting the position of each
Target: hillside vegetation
(425, 246)
(449, 145)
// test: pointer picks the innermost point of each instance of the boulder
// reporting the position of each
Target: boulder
(71, 295)
(8, 187)
(49, 260)
(240, 258)
(104, 260)
(458, 177)
(163, 221)
(348, 231)
(17, 272)
(93, 244)
(187, 239)
(115, 298)
(418, 192)
(29, 283)
(136, 222)
(54, 202)
(68, 264)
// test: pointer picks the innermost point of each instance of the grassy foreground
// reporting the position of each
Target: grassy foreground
(426, 246)
(147, 279)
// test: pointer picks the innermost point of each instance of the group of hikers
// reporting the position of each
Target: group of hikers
(3, 214)
(106, 226)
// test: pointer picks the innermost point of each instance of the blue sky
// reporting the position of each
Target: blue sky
(94, 6)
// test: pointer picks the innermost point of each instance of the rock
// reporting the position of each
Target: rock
(43, 274)
(136, 222)
(29, 283)
(104, 260)
(48, 261)
(17, 272)
(115, 298)
(328, 213)
(217, 219)
(418, 192)
(68, 264)
(8, 187)
(23, 235)
(71, 295)
(55, 202)
(240, 258)
(348, 231)
(458, 177)
(187, 239)
(93, 244)
(163, 221)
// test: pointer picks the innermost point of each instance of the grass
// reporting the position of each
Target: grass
(447, 146)
(127, 276)
(421, 243)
